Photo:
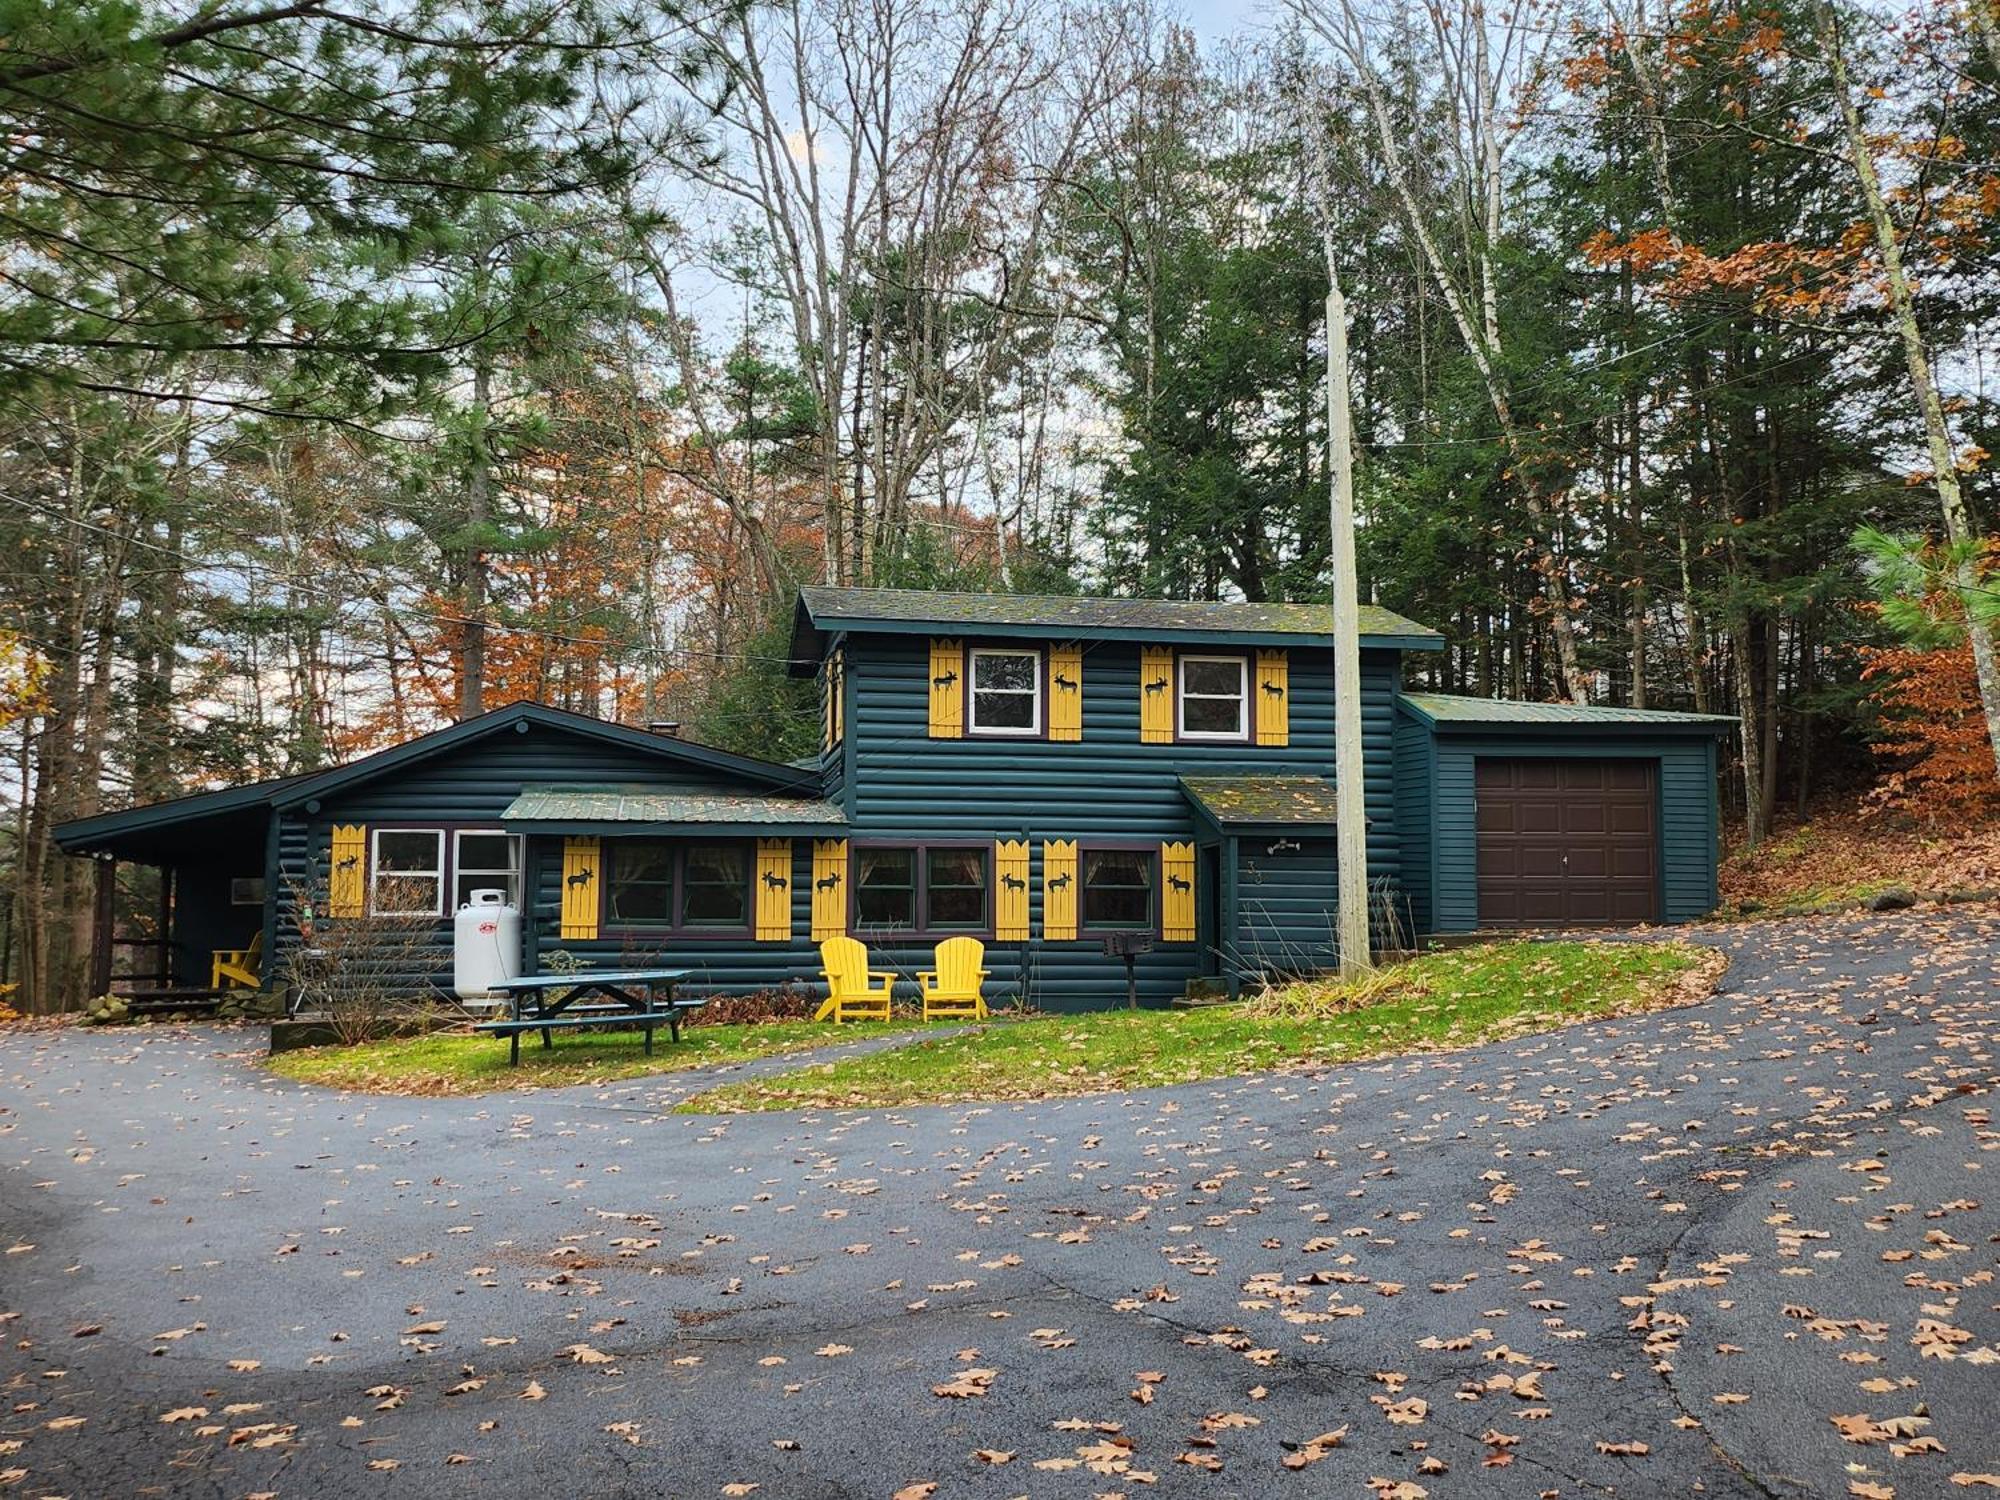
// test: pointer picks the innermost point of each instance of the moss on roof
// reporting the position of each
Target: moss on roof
(1262, 800)
(1085, 614)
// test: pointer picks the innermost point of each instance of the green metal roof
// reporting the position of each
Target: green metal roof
(1262, 801)
(557, 809)
(824, 611)
(1445, 710)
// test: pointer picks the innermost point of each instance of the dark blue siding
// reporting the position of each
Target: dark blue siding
(1286, 922)
(1687, 815)
(472, 785)
(1109, 787)
(1415, 817)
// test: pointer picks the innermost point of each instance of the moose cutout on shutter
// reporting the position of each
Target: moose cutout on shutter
(580, 887)
(1059, 889)
(774, 890)
(347, 877)
(1066, 692)
(947, 690)
(1156, 695)
(1177, 921)
(1010, 901)
(829, 894)
(1274, 706)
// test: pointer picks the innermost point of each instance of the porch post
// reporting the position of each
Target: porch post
(165, 927)
(100, 926)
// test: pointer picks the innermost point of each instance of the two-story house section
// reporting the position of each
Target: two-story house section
(1067, 779)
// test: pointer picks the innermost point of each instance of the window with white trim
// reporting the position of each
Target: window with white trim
(1006, 692)
(1214, 698)
(485, 859)
(406, 873)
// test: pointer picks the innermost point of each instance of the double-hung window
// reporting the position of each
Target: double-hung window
(915, 888)
(1214, 698)
(1006, 692)
(406, 873)
(1118, 888)
(484, 859)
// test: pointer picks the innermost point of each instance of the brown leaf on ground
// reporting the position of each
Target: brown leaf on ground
(967, 1383)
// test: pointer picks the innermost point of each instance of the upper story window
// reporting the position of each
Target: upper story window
(406, 873)
(1213, 702)
(1006, 692)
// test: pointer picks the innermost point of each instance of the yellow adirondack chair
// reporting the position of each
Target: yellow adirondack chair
(853, 994)
(952, 989)
(237, 968)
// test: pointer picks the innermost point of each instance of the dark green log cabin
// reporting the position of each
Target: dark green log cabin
(1056, 776)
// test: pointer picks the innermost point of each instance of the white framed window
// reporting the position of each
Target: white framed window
(485, 859)
(406, 873)
(1214, 698)
(1006, 692)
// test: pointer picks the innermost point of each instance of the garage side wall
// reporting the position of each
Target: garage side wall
(1687, 816)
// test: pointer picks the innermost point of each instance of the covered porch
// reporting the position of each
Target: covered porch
(183, 905)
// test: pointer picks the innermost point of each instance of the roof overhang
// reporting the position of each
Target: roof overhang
(175, 831)
(1229, 805)
(1446, 714)
(823, 615)
(632, 810)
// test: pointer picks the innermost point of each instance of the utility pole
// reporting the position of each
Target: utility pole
(1350, 812)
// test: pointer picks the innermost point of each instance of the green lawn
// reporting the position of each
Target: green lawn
(1440, 1000)
(447, 1063)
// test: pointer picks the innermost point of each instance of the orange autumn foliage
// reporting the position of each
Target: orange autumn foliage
(1933, 731)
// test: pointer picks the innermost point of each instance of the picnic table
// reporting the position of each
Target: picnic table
(544, 1002)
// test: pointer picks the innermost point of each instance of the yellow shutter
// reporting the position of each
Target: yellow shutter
(1010, 900)
(834, 721)
(947, 690)
(1059, 889)
(1274, 692)
(1156, 695)
(829, 888)
(579, 889)
(1177, 900)
(774, 890)
(347, 878)
(1066, 692)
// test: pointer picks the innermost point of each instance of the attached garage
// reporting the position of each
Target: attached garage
(1539, 815)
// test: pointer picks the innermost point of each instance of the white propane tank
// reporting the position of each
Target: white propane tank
(485, 946)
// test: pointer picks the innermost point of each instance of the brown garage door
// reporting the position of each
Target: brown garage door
(1567, 843)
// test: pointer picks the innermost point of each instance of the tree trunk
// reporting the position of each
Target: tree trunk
(478, 515)
(1951, 499)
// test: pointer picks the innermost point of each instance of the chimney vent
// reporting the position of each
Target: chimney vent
(670, 728)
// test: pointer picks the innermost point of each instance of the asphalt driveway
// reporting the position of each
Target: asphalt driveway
(1744, 1248)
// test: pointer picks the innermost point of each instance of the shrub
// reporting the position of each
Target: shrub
(785, 1002)
(1933, 732)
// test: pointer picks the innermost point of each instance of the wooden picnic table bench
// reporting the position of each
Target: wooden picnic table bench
(544, 1002)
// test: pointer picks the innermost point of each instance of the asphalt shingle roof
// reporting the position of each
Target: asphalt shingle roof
(1085, 615)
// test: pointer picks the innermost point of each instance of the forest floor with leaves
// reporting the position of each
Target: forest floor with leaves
(1738, 1248)
(1841, 858)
